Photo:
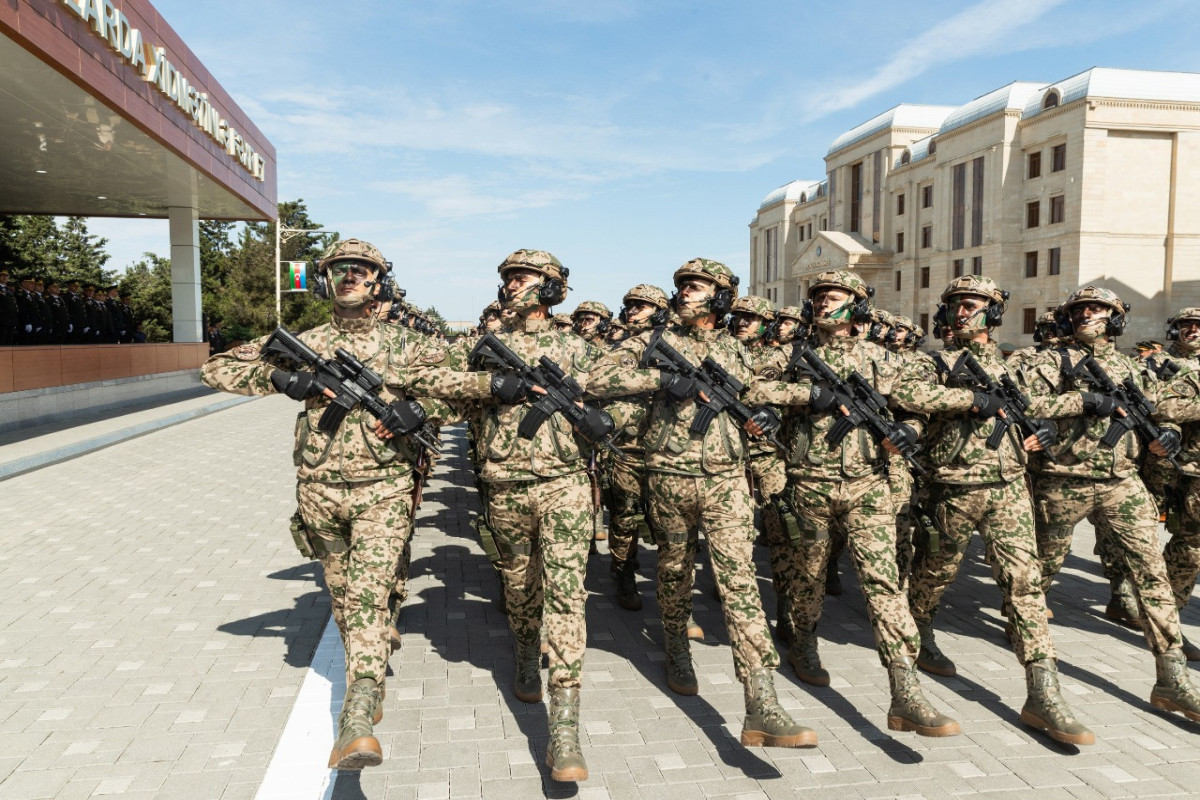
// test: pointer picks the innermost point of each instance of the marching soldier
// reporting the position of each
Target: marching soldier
(976, 487)
(696, 481)
(845, 484)
(1085, 478)
(562, 323)
(590, 320)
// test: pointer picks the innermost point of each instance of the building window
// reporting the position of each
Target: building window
(899, 242)
(1029, 320)
(900, 204)
(771, 255)
(927, 237)
(809, 236)
(924, 277)
(1031, 259)
(1034, 169)
(958, 268)
(1058, 206)
(925, 322)
(1055, 258)
(977, 202)
(926, 197)
(958, 206)
(856, 197)
(977, 265)
(1058, 158)
(1033, 214)
(824, 223)
(897, 280)
(1051, 99)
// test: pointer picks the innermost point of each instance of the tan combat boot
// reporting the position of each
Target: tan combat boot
(563, 755)
(767, 724)
(805, 659)
(1046, 710)
(681, 675)
(527, 682)
(1123, 606)
(910, 711)
(930, 657)
(356, 746)
(1173, 691)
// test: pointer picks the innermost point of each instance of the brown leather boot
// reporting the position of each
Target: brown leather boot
(1045, 708)
(910, 711)
(356, 746)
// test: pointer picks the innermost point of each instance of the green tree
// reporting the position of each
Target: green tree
(149, 281)
(81, 254)
(436, 318)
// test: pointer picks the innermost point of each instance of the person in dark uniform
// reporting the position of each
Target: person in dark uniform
(43, 309)
(94, 333)
(9, 315)
(116, 319)
(60, 323)
(29, 321)
(76, 312)
(128, 321)
(216, 341)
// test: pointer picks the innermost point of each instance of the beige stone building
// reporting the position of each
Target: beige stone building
(1042, 186)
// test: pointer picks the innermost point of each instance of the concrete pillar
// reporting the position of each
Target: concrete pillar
(185, 273)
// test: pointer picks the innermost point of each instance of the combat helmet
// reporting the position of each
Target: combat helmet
(859, 305)
(554, 278)
(354, 250)
(594, 307)
(561, 319)
(1191, 314)
(754, 304)
(490, 309)
(646, 293)
(792, 312)
(707, 269)
(1091, 293)
(975, 286)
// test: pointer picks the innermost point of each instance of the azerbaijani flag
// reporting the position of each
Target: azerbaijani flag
(297, 275)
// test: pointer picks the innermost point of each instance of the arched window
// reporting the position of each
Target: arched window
(905, 157)
(803, 198)
(1051, 99)
(932, 146)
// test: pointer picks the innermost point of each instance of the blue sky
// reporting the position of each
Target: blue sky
(626, 137)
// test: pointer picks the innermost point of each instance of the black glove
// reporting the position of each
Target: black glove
(904, 438)
(767, 419)
(1170, 441)
(510, 389)
(1099, 405)
(403, 416)
(1046, 432)
(821, 399)
(596, 424)
(987, 404)
(297, 385)
(677, 387)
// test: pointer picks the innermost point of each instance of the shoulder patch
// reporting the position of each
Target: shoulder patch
(246, 352)
(432, 355)
(770, 373)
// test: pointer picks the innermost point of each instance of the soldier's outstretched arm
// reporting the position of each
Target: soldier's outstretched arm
(616, 374)
(1179, 400)
(1044, 383)
(919, 389)
(443, 373)
(243, 370)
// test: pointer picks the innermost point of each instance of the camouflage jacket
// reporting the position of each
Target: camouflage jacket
(670, 448)
(1055, 392)
(764, 361)
(809, 456)
(630, 413)
(353, 452)
(504, 455)
(955, 441)
(1179, 402)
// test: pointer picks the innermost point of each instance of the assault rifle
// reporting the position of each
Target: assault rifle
(1128, 396)
(353, 383)
(720, 389)
(968, 369)
(562, 392)
(863, 406)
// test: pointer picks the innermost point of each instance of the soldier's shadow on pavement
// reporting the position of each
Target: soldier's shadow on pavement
(452, 623)
(348, 786)
(300, 627)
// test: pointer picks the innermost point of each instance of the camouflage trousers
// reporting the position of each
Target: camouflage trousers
(720, 505)
(1182, 553)
(865, 510)
(626, 508)
(363, 530)
(767, 473)
(1127, 510)
(543, 530)
(1003, 515)
(900, 481)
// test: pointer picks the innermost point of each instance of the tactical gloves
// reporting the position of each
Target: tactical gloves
(403, 417)
(677, 387)
(821, 399)
(903, 438)
(596, 424)
(1099, 405)
(986, 405)
(510, 389)
(1170, 441)
(766, 418)
(297, 385)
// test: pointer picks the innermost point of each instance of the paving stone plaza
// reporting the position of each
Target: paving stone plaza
(161, 638)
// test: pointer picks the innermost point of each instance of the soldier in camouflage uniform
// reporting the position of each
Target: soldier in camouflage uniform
(1180, 489)
(643, 307)
(788, 326)
(562, 323)
(847, 485)
(697, 482)
(973, 487)
(750, 320)
(591, 319)
(1087, 479)
(354, 487)
(539, 506)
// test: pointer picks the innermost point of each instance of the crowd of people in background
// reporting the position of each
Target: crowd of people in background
(43, 310)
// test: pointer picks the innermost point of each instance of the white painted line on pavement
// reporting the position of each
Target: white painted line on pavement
(297, 768)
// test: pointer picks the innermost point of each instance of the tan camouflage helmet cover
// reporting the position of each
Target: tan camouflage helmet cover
(595, 307)
(1192, 312)
(539, 261)
(840, 279)
(884, 317)
(712, 270)
(901, 321)
(792, 312)
(490, 309)
(561, 319)
(976, 285)
(754, 304)
(354, 250)
(646, 293)
(1047, 319)
(1095, 294)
